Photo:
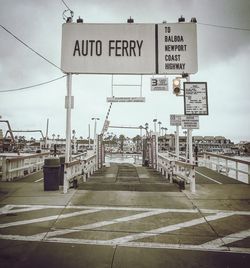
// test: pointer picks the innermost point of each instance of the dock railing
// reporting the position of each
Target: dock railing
(232, 167)
(176, 170)
(15, 167)
(82, 164)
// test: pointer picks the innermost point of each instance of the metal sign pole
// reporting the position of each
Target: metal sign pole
(68, 106)
(177, 150)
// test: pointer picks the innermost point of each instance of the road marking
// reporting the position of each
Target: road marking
(228, 239)
(39, 180)
(129, 244)
(169, 228)
(100, 224)
(208, 177)
(49, 218)
(217, 245)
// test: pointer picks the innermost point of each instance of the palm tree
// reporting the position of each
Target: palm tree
(121, 139)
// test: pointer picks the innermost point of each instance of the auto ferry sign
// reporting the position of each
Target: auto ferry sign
(129, 48)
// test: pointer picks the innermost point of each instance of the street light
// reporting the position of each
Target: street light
(95, 119)
(155, 120)
(159, 123)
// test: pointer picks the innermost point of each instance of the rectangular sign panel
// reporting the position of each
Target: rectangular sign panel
(190, 121)
(159, 84)
(129, 48)
(195, 98)
(177, 46)
(175, 119)
(126, 99)
(108, 48)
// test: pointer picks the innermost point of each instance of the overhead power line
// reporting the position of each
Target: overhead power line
(37, 53)
(66, 5)
(224, 27)
(36, 85)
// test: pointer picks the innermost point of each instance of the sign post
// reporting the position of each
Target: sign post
(175, 120)
(68, 106)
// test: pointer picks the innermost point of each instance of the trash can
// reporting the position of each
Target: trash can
(61, 172)
(51, 170)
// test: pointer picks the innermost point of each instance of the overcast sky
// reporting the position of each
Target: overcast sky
(223, 62)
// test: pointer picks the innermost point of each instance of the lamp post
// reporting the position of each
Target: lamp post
(155, 120)
(95, 119)
(159, 123)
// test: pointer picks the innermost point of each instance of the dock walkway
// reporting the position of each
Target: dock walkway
(126, 216)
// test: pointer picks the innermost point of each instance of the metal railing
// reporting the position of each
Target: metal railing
(176, 169)
(232, 167)
(14, 167)
(80, 168)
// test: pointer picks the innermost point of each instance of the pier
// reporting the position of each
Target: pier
(127, 215)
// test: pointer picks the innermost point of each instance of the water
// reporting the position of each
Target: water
(232, 165)
(125, 158)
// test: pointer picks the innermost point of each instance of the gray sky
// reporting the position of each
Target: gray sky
(223, 62)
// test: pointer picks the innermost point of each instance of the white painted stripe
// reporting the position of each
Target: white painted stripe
(21, 210)
(137, 209)
(169, 228)
(129, 244)
(49, 218)
(235, 212)
(5, 209)
(39, 180)
(208, 177)
(228, 239)
(203, 210)
(100, 224)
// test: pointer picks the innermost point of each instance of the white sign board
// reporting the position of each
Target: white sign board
(108, 48)
(129, 48)
(195, 98)
(126, 99)
(159, 84)
(175, 119)
(190, 121)
(177, 43)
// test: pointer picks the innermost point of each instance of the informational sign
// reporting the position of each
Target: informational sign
(105, 126)
(175, 119)
(108, 48)
(195, 98)
(177, 44)
(159, 84)
(129, 48)
(190, 121)
(126, 99)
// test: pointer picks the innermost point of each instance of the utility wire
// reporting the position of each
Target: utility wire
(36, 85)
(30, 47)
(66, 5)
(224, 27)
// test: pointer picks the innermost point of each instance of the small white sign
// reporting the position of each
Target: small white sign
(195, 98)
(175, 119)
(126, 99)
(159, 84)
(190, 121)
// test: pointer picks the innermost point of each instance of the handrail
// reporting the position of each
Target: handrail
(228, 158)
